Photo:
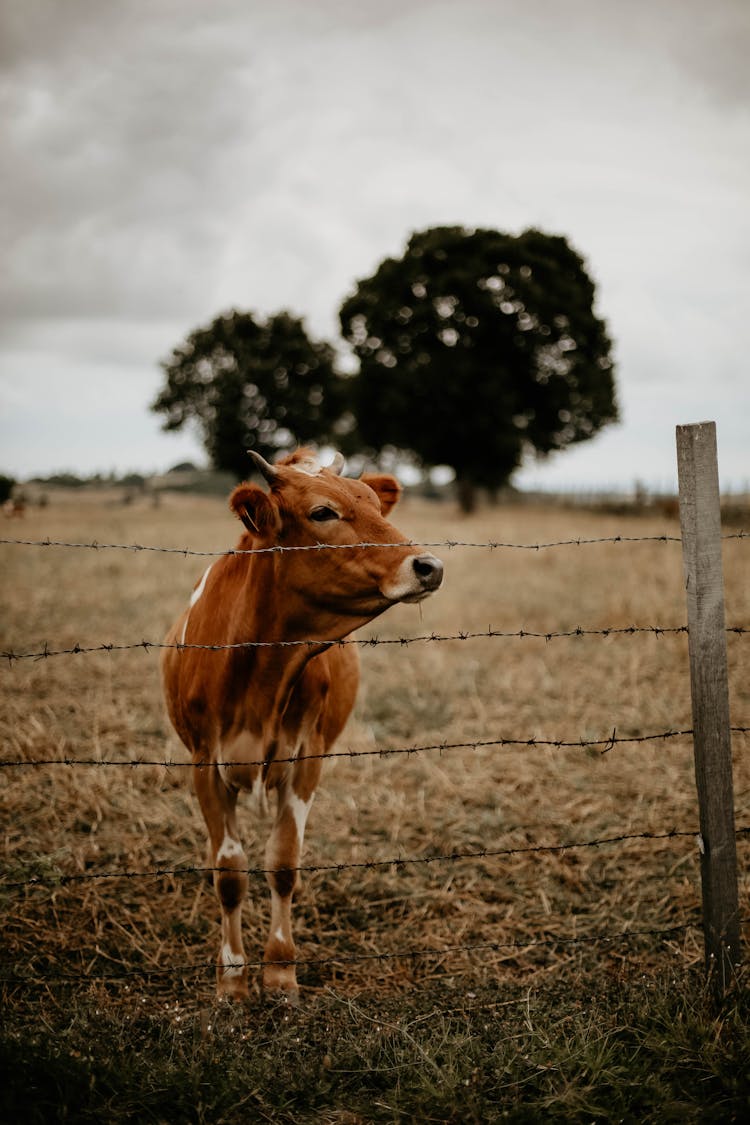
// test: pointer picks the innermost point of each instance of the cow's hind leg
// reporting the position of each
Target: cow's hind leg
(228, 859)
(283, 850)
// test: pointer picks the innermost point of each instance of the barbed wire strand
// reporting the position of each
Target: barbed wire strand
(380, 752)
(59, 880)
(362, 642)
(277, 550)
(399, 954)
(491, 545)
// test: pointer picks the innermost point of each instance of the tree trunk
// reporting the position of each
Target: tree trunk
(467, 495)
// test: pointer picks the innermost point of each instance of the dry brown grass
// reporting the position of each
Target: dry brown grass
(62, 819)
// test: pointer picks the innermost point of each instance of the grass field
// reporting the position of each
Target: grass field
(500, 987)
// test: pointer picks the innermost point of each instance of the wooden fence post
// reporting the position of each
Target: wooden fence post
(700, 521)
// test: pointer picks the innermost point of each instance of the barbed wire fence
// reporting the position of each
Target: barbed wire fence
(721, 942)
(31, 975)
(47, 651)
(403, 954)
(406, 954)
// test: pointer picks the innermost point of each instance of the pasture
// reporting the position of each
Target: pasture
(438, 984)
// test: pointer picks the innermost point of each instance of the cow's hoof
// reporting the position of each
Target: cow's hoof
(284, 997)
(234, 996)
(232, 987)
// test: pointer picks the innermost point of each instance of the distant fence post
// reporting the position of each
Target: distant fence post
(700, 521)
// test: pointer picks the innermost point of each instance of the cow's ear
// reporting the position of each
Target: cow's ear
(256, 509)
(385, 487)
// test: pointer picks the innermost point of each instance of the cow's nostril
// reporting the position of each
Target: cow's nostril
(424, 567)
(429, 570)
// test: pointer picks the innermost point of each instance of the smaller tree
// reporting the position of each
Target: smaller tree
(7, 484)
(247, 383)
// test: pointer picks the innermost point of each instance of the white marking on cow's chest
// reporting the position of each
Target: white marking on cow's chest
(193, 599)
(200, 587)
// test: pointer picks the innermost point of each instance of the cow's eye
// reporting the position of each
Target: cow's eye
(323, 514)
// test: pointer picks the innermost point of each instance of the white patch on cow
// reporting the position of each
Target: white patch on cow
(300, 811)
(230, 848)
(193, 599)
(232, 963)
(200, 587)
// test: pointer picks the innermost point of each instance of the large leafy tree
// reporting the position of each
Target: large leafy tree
(476, 346)
(247, 382)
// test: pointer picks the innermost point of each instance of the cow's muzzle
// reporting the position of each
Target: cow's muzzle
(417, 577)
(429, 572)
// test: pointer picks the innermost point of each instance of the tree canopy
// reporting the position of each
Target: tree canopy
(476, 346)
(251, 383)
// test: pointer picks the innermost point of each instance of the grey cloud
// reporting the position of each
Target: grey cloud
(116, 146)
(138, 133)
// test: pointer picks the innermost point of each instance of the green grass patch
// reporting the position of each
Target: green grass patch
(651, 1049)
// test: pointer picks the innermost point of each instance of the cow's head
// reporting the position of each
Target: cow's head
(370, 565)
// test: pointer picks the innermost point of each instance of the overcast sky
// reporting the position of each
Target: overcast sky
(165, 160)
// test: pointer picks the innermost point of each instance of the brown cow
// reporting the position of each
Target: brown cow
(243, 712)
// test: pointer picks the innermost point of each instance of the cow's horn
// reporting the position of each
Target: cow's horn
(268, 471)
(337, 465)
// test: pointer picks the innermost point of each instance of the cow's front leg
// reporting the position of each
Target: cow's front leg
(283, 851)
(227, 857)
